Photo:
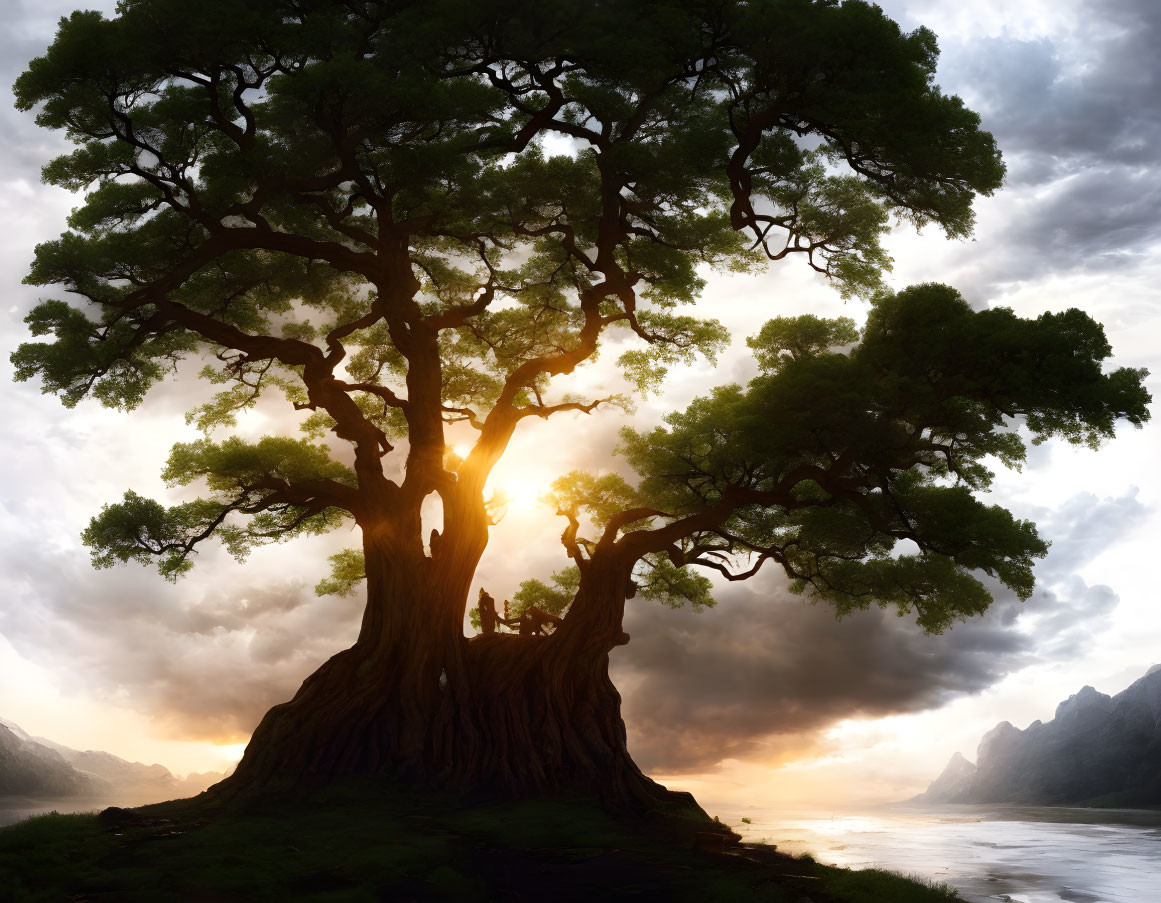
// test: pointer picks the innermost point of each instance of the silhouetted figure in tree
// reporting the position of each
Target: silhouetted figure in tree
(534, 620)
(490, 621)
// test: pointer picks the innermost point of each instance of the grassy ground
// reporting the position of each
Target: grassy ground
(369, 844)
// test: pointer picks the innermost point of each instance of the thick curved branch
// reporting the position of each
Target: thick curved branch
(569, 538)
(322, 388)
(625, 518)
(459, 415)
(725, 571)
(545, 411)
(314, 495)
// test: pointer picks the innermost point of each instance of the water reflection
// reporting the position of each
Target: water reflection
(1023, 854)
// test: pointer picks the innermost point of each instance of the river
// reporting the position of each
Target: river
(1023, 854)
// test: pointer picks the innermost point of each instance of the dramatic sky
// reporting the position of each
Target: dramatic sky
(765, 696)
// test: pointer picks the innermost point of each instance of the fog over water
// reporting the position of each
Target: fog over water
(18, 808)
(1023, 854)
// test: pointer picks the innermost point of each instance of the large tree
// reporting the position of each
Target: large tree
(405, 214)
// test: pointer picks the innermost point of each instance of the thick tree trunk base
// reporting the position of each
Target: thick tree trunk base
(503, 717)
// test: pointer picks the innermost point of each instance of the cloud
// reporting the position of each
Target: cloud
(1077, 113)
(1097, 219)
(1082, 527)
(205, 659)
(29, 28)
(766, 672)
(1103, 110)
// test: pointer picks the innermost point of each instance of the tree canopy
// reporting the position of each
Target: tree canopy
(404, 215)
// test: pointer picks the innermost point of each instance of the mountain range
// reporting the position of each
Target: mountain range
(36, 767)
(1098, 750)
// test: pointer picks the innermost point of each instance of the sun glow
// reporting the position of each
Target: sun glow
(516, 497)
(230, 752)
(524, 495)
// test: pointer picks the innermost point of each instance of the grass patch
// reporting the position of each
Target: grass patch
(881, 886)
(369, 843)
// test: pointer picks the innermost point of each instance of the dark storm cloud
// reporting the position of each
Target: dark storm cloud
(766, 669)
(768, 665)
(1080, 127)
(205, 664)
(1098, 219)
(1106, 112)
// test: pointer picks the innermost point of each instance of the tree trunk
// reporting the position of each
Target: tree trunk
(504, 715)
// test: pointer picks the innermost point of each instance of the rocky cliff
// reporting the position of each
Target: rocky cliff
(1098, 749)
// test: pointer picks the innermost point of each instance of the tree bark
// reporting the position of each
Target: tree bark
(502, 715)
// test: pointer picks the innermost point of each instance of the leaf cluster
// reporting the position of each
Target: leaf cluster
(252, 480)
(831, 459)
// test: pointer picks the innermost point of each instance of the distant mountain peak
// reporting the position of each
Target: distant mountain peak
(953, 785)
(1097, 748)
(1001, 736)
(1086, 700)
(15, 728)
(29, 769)
(34, 766)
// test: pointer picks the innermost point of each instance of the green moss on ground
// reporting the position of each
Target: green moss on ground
(363, 843)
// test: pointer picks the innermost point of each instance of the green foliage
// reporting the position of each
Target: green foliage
(660, 580)
(553, 599)
(250, 479)
(878, 90)
(1046, 371)
(348, 570)
(186, 135)
(883, 886)
(838, 221)
(598, 497)
(111, 361)
(912, 416)
(674, 340)
(237, 466)
(800, 336)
